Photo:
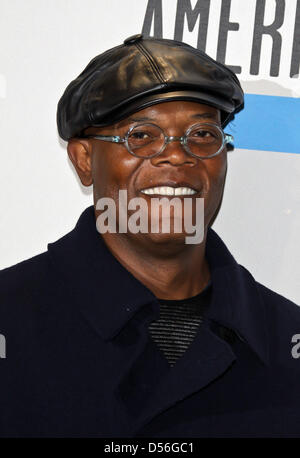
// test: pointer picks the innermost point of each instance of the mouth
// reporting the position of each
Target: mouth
(169, 191)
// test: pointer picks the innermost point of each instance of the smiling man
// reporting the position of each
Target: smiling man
(160, 261)
(136, 333)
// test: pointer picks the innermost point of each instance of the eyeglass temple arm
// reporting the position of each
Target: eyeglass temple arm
(229, 138)
(107, 138)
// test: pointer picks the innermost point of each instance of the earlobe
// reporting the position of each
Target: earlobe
(79, 152)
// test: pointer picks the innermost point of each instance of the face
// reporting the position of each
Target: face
(110, 167)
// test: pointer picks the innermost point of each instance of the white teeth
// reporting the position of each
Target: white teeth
(169, 191)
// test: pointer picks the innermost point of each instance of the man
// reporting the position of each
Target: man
(127, 333)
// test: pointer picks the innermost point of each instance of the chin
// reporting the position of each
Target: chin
(166, 239)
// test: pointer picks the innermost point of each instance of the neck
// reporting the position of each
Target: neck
(170, 270)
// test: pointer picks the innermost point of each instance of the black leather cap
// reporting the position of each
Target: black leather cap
(142, 72)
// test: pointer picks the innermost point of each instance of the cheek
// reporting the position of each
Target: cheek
(217, 171)
(112, 169)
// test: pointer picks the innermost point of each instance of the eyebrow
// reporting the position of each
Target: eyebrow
(138, 119)
(205, 115)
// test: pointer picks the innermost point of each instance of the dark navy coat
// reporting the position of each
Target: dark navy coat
(80, 361)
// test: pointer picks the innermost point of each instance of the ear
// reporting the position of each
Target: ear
(80, 152)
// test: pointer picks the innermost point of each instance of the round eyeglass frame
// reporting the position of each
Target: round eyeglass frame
(226, 138)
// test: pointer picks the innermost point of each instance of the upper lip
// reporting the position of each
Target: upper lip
(172, 184)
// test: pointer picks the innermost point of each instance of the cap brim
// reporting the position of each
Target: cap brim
(143, 102)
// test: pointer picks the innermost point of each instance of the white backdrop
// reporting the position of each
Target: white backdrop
(44, 44)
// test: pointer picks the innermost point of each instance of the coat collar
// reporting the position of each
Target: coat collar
(109, 296)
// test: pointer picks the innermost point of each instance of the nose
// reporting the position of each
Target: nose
(174, 154)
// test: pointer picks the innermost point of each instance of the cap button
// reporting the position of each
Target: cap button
(133, 39)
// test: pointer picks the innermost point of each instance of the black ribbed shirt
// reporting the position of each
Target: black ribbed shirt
(178, 323)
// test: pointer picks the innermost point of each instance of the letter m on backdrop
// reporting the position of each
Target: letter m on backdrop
(184, 10)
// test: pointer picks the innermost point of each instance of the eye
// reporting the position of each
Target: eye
(144, 135)
(140, 135)
(202, 133)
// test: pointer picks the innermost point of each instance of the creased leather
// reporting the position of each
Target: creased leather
(140, 73)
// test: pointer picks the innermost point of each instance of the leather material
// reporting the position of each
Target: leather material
(140, 73)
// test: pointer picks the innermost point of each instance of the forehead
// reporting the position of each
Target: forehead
(174, 111)
(167, 113)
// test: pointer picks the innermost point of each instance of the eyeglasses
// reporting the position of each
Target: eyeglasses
(147, 140)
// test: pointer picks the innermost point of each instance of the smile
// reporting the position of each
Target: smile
(169, 191)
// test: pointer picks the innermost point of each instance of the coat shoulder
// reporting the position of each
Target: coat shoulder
(282, 328)
(27, 282)
(278, 303)
(26, 272)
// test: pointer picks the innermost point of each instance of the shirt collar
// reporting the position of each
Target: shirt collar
(109, 295)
